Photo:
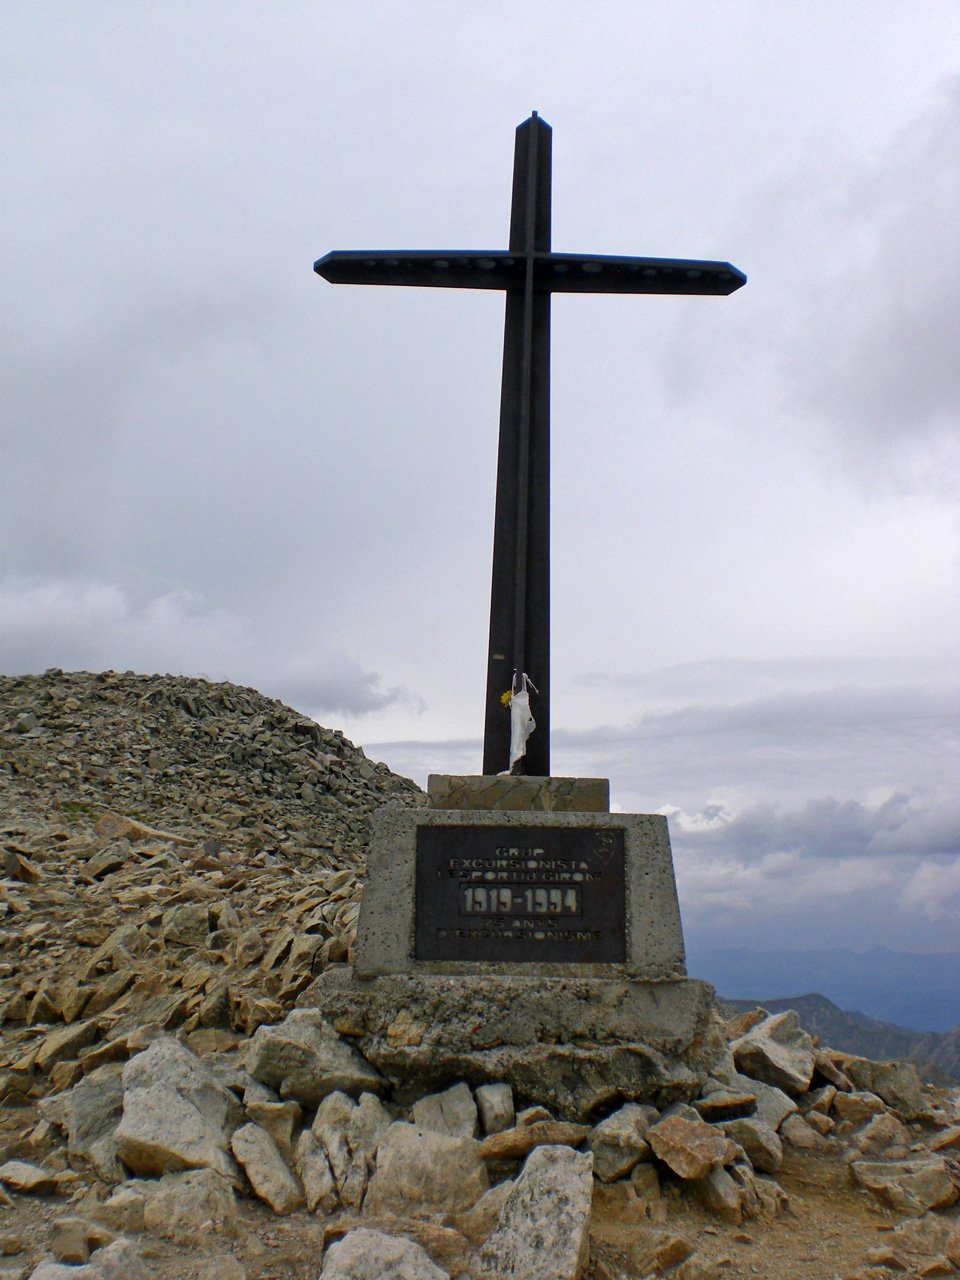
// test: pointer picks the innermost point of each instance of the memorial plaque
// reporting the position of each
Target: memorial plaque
(512, 893)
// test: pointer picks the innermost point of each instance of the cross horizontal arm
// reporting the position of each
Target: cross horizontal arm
(471, 270)
(552, 272)
(598, 273)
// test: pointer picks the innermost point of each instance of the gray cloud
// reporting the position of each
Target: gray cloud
(101, 626)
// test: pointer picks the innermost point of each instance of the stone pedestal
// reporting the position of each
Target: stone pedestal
(542, 947)
(576, 1045)
(508, 793)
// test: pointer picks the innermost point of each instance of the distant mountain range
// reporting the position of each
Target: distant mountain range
(935, 1053)
(901, 988)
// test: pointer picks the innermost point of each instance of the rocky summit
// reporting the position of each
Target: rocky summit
(181, 860)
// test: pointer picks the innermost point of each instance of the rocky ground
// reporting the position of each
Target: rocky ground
(180, 859)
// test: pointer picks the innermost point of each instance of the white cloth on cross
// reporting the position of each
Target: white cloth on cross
(522, 723)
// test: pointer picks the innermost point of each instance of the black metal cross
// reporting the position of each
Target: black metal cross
(529, 272)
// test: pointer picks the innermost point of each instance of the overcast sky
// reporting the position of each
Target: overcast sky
(215, 463)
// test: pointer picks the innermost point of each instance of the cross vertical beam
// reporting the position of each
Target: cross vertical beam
(519, 638)
(529, 271)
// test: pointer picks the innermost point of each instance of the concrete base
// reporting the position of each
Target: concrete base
(577, 1045)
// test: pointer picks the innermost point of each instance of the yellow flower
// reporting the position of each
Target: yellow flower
(505, 697)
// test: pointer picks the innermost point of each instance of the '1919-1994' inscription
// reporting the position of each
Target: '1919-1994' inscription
(520, 894)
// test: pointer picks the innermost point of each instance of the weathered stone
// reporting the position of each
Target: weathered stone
(176, 1115)
(161, 1131)
(819, 1122)
(884, 1133)
(117, 1261)
(577, 1045)
(690, 1148)
(124, 1210)
(778, 1052)
(759, 1141)
(304, 1058)
(374, 1255)
(724, 1104)
(616, 1202)
(223, 1267)
(772, 1104)
(897, 1083)
(477, 1222)
(652, 1253)
(278, 1118)
(495, 1104)
(350, 1134)
(802, 1135)
(316, 1176)
(515, 1143)
(68, 1240)
(910, 1186)
(857, 1107)
(263, 1164)
(646, 1182)
(948, 1140)
(180, 1204)
(618, 1141)
(249, 946)
(453, 1112)
(683, 1110)
(65, 1042)
(720, 1195)
(928, 1234)
(826, 1065)
(30, 1179)
(187, 924)
(421, 1172)
(533, 1115)
(94, 1111)
(542, 1230)
(820, 1100)
(445, 1246)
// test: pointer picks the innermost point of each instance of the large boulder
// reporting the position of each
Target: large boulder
(302, 1057)
(618, 1142)
(420, 1172)
(543, 1229)
(778, 1052)
(373, 1255)
(176, 1114)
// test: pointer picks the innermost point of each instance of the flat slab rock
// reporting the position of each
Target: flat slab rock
(647, 1040)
